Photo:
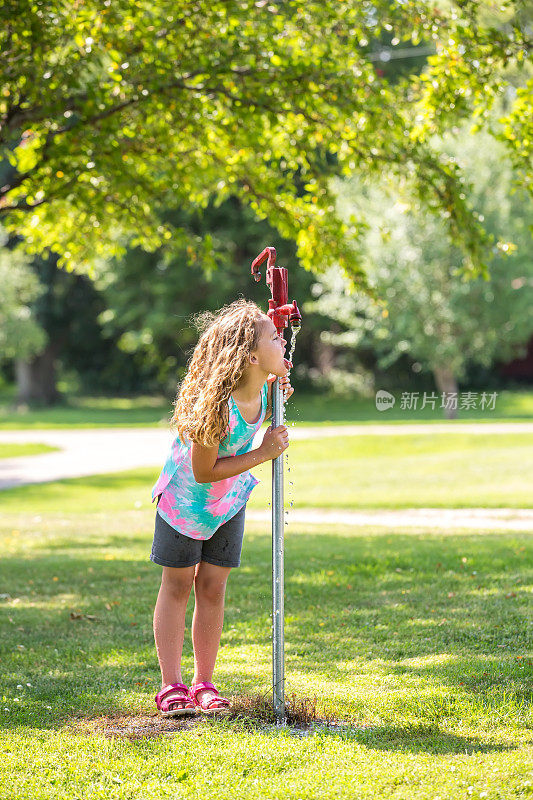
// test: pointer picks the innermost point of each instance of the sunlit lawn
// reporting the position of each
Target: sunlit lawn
(407, 471)
(315, 409)
(404, 471)
(15, 450)
(419, 640)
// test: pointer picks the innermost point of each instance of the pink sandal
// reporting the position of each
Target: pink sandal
(205, 705)
(164, 702)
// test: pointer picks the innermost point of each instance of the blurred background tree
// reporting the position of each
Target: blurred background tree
(66, 310)
(151, 298)
(442, 323)
(20, 333)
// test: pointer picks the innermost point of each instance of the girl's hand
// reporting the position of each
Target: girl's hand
(286, 388)
(275, 441)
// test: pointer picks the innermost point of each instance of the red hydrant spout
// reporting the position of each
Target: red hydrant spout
(268, 252)
(280, 310)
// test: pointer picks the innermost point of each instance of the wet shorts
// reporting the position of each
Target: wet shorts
(171, 548)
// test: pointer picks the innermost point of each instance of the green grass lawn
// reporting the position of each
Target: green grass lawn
(407, 471)
(87, 412)
(419, 641)
(404, 471)
(313, 409)
(30, 449)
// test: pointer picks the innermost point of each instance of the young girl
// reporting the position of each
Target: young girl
(204, 486)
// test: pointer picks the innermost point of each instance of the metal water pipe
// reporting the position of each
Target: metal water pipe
(281, 312)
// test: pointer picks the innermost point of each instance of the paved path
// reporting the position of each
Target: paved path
(83, 452)
(510, 519)
(93, 451)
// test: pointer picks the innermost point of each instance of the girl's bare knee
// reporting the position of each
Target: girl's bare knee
(210, 593)
(178, 581)
(212, 589)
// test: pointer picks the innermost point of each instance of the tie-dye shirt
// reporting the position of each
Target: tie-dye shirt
(198, 509)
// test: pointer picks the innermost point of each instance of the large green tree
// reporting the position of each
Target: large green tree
(113, 110)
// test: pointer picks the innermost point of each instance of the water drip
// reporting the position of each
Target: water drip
(294, 331)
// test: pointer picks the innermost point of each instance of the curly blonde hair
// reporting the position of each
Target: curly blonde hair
(228, 336)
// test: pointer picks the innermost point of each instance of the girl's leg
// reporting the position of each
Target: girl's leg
(209, 590)
(169, 622)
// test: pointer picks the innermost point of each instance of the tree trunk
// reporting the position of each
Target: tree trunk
(445, 380)
(324, 357)
(36, 378)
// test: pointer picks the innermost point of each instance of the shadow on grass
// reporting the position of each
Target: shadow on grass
(445, 618)
(412, 738)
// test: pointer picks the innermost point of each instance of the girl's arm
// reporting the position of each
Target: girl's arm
(207, 468)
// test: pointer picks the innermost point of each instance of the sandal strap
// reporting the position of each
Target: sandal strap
(198, 687)
(171, 687)
(206, 704)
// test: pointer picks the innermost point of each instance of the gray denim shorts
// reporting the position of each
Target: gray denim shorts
(171, 548)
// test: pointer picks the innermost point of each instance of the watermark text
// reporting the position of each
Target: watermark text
(451, 401)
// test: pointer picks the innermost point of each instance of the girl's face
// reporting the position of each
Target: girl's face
(271, 350)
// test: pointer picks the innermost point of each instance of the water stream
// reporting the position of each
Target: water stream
(295, 329)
